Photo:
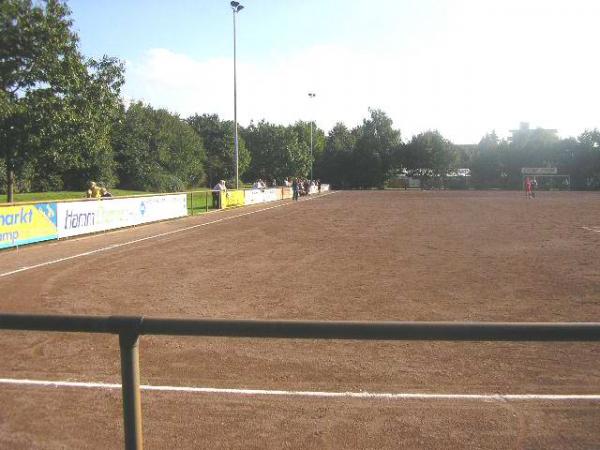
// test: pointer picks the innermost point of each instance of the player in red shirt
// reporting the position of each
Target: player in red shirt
(528, 191)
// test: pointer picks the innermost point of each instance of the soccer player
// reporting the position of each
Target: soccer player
(528, 191)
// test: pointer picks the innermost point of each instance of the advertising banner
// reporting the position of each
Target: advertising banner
(75, 218)
(232, 198)
(26, 224)
(539, 170)
(286, 193)
(325, 188)
(253, 196)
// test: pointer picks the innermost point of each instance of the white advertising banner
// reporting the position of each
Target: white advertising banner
(253, 196)
(325, 188)
(91, 216)
(273, 194)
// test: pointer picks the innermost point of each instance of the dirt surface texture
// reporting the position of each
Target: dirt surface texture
(361, 255)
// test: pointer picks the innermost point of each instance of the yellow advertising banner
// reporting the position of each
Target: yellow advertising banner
(25, 224)
(232, 198)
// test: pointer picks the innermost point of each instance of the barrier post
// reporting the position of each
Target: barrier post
(192, 201)
(206, 200)
(130, 381)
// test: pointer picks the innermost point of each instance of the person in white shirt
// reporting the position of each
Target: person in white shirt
(219, 187)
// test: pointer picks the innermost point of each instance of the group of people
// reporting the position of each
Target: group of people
(261, 184)
(97, 191)
(302, 186)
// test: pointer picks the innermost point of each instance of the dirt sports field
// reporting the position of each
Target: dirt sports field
(419, 256)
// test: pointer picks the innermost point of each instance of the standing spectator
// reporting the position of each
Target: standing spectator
(295, 189)
(219, 187)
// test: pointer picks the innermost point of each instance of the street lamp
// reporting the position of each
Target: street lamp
(311, 95)
(236, 8)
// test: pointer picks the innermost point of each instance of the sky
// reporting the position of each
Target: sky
(463, 67)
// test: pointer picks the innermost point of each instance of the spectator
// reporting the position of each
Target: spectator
(295, 189)
(105, 193)
(93, 191)
(219, 187)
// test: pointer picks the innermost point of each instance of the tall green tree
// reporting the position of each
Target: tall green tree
(335, 162)
(277, 152)
(486, 164)
(373, 157)
(157, 151)
(303, 131)
(429, 154)
(56, 109)
(218, 138)
(582, 160)
(529, 147)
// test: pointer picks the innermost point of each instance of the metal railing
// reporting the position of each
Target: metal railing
(129, 328)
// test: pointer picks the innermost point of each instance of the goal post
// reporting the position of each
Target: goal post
(546, 178)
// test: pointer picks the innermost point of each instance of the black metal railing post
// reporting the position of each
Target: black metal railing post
(130, 381)
(129, 331)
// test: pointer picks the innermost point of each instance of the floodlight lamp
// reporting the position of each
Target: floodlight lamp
(240, 8)
(234, 5)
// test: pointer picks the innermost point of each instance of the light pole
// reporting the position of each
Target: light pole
(311, 95)
(236, 8)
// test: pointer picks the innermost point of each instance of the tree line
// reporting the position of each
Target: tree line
(63, 123)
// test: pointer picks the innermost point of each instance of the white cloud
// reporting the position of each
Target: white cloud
(473, 76)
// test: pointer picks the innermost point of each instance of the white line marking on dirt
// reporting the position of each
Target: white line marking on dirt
(592, 229)
(147, 238)
(319, 394)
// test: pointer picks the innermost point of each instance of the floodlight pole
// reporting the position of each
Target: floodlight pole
(235, 7)
(311, 95)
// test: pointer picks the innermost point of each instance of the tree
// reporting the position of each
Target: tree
(303, 131)
(56, 109)
(157, 151)
(583, 158)
(486, 164)
(376, 144)
(277, 152)
(528, 148)
(429, 154)
(218, 138)
(335, 161)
